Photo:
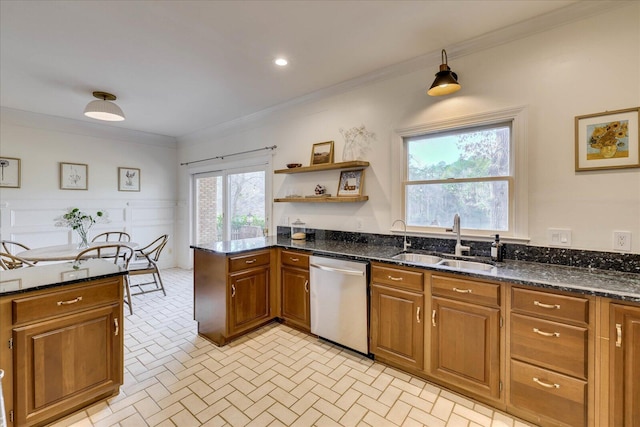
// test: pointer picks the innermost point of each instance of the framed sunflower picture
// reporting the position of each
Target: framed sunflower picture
(608, 140)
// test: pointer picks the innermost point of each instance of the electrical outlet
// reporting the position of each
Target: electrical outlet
(559, 236)
(622, 241)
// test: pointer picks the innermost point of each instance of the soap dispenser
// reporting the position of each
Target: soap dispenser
(497, 253)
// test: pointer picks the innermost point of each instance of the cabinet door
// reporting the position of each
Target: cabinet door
(465, 345)
(295, 297)
(625, 366)
(397, 331)
(63, 363)
(249, 299)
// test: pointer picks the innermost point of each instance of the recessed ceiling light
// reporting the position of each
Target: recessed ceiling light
(281, 62)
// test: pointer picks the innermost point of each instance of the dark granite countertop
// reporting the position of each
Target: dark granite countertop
(606, 283)
(52, 275)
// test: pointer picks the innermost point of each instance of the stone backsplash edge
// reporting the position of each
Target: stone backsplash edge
(625, 262)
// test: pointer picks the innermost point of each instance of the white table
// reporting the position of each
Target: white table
(64, 252)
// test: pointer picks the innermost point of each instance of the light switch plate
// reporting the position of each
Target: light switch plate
(559, 237)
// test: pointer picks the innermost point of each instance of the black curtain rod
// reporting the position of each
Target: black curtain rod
(273, 147)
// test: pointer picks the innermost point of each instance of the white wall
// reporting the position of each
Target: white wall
(583, 67)
(41, 142)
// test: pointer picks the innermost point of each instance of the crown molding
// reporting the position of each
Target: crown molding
(79, 127)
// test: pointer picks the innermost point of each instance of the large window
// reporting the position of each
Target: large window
(230, 204)
(468, 171)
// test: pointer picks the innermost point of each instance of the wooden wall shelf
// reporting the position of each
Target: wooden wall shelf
(326, 167)
(343, 199)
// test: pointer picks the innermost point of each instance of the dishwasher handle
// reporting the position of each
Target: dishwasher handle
(338, 270)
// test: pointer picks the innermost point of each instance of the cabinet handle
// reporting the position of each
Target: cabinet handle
(418, 314)
(462, 291)
(433, 318)
(543, 305)
(546, 334)
(395, 279)
(306, 286)
(250, 261)
(71, 301)
(233, 290)
(618, 334)
(294, 259)
(115, 323)
(543, 384)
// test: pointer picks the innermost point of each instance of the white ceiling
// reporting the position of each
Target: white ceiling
(178, 67)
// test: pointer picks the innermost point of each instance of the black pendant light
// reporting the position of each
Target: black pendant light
(446, 81)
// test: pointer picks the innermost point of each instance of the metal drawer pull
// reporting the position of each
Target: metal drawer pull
(306, 286)
(418, 314)
(115, 322)
(71, 301)
(543, 384)
(396, 279)
(250, 261)
(618, 334)
(462, 291)
(233, 291)
(546, 334)
(543, 305)
(294, 259)
(433, 318)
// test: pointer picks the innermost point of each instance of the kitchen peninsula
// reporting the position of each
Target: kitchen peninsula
(544, 342)
(61, 329)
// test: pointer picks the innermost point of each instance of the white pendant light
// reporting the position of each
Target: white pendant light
(103, 108)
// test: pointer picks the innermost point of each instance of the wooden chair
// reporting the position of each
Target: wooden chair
(148, 264)
(11, 247)
(112, 236)
(11, 262)
(120, 255)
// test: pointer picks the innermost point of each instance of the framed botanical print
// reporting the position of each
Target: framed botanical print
(608, 140)
(128, 179)
(9, 172)
(74, 176)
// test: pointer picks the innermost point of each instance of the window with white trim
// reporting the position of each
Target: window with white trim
(465, 170)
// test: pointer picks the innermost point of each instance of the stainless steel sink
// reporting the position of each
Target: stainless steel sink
(466, 265)
(417, 258)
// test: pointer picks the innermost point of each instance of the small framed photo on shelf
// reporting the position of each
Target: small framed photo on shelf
(128, 179)
(9, 172)
(608, 140)
(351, 183)
(74, 176)
(322, 153)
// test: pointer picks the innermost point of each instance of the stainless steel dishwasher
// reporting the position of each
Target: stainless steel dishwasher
(339, 306)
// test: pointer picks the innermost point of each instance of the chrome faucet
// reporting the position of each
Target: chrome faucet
(456, 229)
(405, 244)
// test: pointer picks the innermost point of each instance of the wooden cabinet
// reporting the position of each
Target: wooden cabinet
(465, 335)
(624, 350)
(550, 357)
(232, 294)
(397, 315)
(67, 349)
(294, 289)
(317, 168)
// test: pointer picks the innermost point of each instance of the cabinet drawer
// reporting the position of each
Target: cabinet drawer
(295, 259)
(541, 391)
(397, 277)
(552, 306)
(241, 262)
(466, 290)
(65, 301)
(553, 345)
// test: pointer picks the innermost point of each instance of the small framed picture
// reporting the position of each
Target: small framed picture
(74, 176)
(322, 153)
(9, 172)
(351, 183)
(128, 179)
(608, 140)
